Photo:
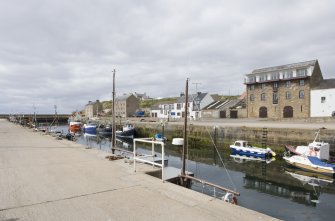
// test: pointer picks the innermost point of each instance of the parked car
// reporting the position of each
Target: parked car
(333, 114)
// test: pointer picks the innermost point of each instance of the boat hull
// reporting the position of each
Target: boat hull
(250, 153)
(90, 130)
(75, 127)
(304, 164)
(128, 133)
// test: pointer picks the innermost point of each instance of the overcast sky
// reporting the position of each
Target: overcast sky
(62, 52)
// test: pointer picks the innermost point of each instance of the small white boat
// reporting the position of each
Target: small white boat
(242, 147)
(316, 148)
(311, 163)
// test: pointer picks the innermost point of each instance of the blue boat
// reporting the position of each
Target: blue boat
(90, 128)
(243, 148)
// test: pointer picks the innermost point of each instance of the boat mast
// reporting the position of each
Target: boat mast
(113, 113)
(185, 130)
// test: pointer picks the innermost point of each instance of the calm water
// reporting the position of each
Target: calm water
(272, 187)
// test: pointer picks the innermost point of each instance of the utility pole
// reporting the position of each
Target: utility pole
(196, 86)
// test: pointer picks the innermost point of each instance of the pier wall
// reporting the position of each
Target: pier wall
(223, 136)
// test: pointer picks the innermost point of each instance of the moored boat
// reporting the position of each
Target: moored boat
(90, 128)
(74, 127)
(316, 148)
(311, 163)
(105, 130)
(128, 130)
(242, 147)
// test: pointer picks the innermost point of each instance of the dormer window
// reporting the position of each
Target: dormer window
(301, 72)
(275, 76)
(288, 74)
(263, 77)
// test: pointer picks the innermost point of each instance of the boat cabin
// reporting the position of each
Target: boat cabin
(242, 143)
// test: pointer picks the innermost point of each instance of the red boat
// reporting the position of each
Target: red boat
(75, 127)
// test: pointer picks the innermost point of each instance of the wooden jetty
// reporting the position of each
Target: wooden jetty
(42, 178)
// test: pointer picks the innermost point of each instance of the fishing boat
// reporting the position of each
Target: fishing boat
(105, 129)
(316, 148)
(74, 127)
(128, 130)
(242, 147)
(90, 128)
(311, 163)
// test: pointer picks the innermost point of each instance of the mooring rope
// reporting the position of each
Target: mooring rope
(224, 166)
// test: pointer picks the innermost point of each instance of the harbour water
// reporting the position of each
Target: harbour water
(272, 187)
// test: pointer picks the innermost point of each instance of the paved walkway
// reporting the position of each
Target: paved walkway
(42, 178)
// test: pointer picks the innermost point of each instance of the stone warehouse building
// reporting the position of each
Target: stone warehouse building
(126, 105)
(282, 91)
(92, 109)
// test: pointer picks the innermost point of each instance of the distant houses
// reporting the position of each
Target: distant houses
(295, 90)
(93, 108)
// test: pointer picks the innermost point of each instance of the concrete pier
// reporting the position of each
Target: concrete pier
(42, 178)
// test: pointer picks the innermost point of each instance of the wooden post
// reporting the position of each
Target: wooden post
(113, 112)
(185, 132)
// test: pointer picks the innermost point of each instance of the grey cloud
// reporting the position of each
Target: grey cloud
(63, 52)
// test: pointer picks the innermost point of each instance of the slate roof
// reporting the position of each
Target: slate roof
(123, 97)
(284, 67)
(192, 97)
(220, 105)
(326, 84)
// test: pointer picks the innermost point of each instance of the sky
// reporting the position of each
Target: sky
(64, 52)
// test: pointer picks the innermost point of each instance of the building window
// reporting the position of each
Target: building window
(275, 85)
(302, 82)
(252, 87)
(301, 72)
(178, 106)
(301, 94)
(263, 97)
(263, 77)
(323, 99)
(288, 74)
(288, 95)
(252, 97)
(288, 83)
(262, 86)
(251, 79)
(274, 76)
(275, 98)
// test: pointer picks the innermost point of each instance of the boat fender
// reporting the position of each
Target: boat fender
(230, 198)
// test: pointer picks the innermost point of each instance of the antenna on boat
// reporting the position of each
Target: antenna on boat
(113, 113)
(185, 131)
(318, 132)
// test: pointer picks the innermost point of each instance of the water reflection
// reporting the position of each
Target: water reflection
(243, 159)
(265, 185)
